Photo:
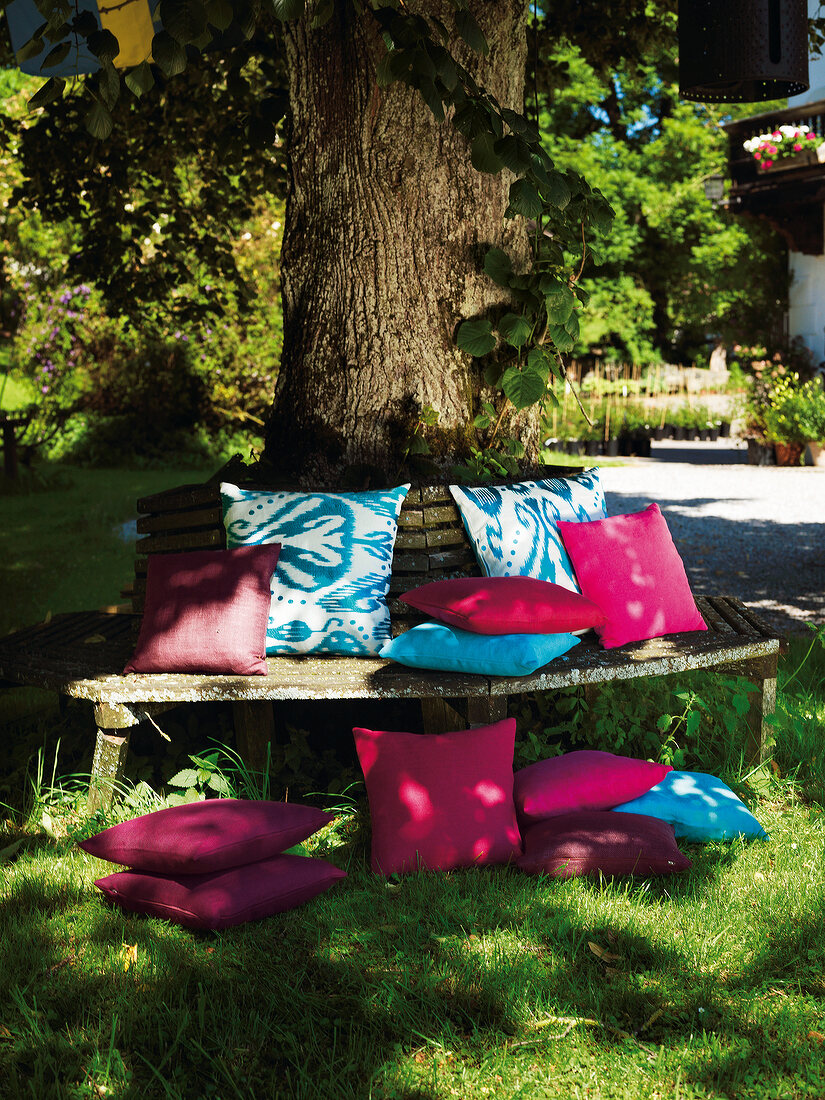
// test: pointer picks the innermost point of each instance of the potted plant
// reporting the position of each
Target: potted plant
(794, 415)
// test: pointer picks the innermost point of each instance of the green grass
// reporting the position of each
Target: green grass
(63, 547)
(15, 393)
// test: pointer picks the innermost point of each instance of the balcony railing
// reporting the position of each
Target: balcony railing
(791, 200)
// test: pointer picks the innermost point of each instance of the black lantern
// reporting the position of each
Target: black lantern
(742, 51)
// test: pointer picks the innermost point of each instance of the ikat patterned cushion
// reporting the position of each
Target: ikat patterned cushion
(513, 527)
(329, 590)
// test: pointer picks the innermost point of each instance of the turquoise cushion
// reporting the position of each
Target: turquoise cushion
(329, 589)
(438, 646)
(513, 527)
(699, 806)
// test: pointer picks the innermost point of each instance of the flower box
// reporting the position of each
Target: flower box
(799, 160)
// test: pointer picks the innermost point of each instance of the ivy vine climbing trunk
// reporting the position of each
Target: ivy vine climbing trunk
(387, 224)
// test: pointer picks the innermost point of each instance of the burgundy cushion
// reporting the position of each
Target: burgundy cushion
(206, 836)
(440, 800)
(586, 779)
(588, 842)
(206, 611)
(223, 898)
(629, 566)
(505, 605)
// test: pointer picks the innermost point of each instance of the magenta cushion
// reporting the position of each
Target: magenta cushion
(440, 800)
(505, 605)
(206, 611)
(629, 566)
(223, 898)
(587, 779)
(588, 842)
(206, 836)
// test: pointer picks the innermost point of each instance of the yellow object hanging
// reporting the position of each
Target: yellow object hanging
(130, 21)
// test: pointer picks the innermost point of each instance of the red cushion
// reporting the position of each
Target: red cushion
(206, 836)
(440, 800)
(505, 605)
(223, 898)
(589, 842)
(586, 779)
(629, 566)
(206, 611)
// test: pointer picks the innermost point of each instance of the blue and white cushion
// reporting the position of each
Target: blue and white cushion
(330, 587)
(513, 527)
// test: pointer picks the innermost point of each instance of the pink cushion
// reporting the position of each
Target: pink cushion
(440, 800)
(223, 898)
(588, 842)
(206, 611)
(206, 836)
(505, 605)
(587, 779)
(629, 566)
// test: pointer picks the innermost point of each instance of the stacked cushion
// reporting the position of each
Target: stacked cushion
(629, 567)
(700, 807)
(438, 646)
(513, 528)
(206, 611)
(440, 801)
(329, 590)
(213, 864)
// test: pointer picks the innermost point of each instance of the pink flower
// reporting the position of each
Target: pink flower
(777, 134)
(797, 147)
(772, 150)
(758, 154)
(767, 163)
(810, 137)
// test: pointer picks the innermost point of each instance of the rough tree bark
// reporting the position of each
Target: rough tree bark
(387, 224)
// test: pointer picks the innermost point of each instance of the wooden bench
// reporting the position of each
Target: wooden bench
(81, 654)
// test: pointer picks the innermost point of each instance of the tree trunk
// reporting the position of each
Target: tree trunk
(387, 224)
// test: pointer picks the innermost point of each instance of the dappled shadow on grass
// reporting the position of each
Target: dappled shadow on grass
(369, 985)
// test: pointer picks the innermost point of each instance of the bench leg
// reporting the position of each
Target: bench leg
(762, 705)
(440, 716)
(111, 749)
(254, 730)
(483, 710)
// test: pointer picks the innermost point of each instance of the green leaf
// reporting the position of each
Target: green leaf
(513, 153)
(692, 724)
(168, 53)
(384, 70)
(515, 329)
(470, 31)
(498, 266)
(523, 387)
(431, 97)
(55, 55)
(445, 67)
(422, 64)
(285, 9)
(538, 360)
(31, 49)
(524, 199)
(418, 446)
(482, 156)
(47, 92)
(103, 45)
(323, 14)
(556, 190)
(139, 79)
(99, 121)
(219, 14)
(475, 337)
(559, 304)
(9, 851)
(664, 722)
(560, 337)
(184, 20)
(519, 125)
(108, 82)
(186, 778)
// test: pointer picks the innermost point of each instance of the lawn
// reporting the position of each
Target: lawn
(476, 983)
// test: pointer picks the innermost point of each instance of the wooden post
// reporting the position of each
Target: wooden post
(761, 672)
(111, 750)
(482, 710)
(440, 716)
(254, 729)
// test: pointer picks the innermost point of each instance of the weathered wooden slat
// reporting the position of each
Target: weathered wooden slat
(436, 494)
(452, 559)
(731, 615)
(712, 617)
(411, 518)
(411, 540)
(749, 616)
(410, 563)
(180, 498)
(443, 513)
(446, 536)
(192, 540)
(180, 521)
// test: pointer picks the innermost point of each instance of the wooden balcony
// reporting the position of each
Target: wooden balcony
(791, 197)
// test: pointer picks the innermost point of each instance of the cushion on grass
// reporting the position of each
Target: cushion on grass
(587, 779)
(513, 527)
(629, 566)
(222, 898)
(438, 646)
(440, 801)
(329, 590)
(505, 605)
(698, 806)
(206, 836)
(206, 611)
(588, 842)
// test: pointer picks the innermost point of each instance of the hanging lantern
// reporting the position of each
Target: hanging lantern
(742, 51)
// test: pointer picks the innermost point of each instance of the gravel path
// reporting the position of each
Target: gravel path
(749, 531)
